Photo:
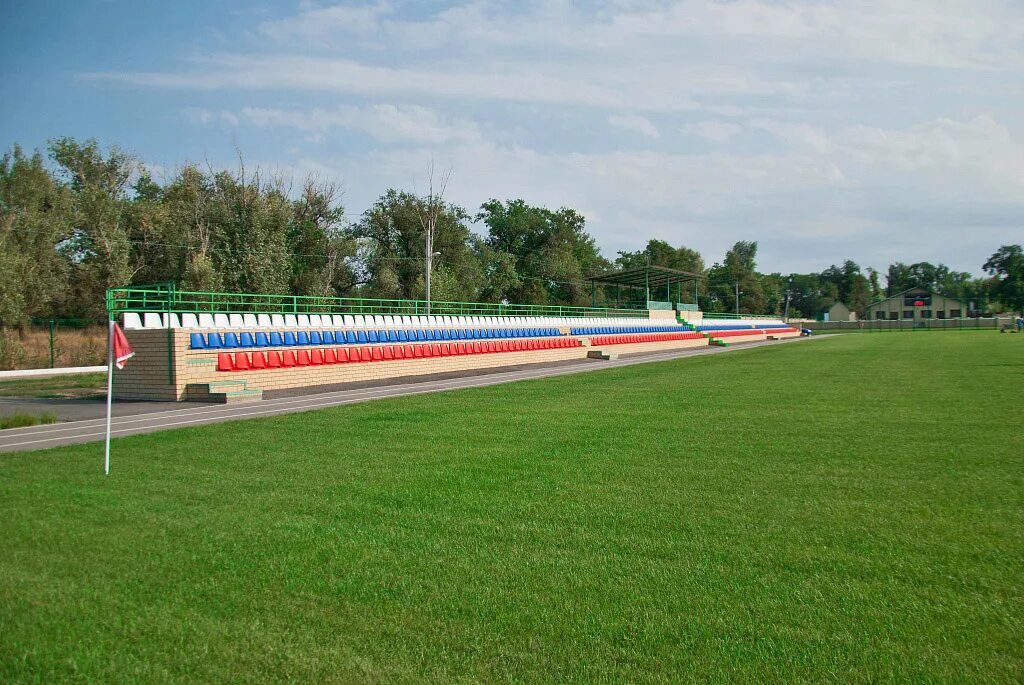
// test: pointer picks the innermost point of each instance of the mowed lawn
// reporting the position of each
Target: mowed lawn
(848, 509)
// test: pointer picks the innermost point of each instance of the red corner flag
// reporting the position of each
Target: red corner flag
(122, 348)
(119, 351)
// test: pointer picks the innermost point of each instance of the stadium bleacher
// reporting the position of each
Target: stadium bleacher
(746, 330)
(207, 355)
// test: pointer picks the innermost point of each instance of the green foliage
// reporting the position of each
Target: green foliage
(738, 271)
(717, 519)
(552, 252)
(1007, 268)
(95, 218)
(35, 220)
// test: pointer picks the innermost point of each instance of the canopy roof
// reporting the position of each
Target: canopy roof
(646, 277)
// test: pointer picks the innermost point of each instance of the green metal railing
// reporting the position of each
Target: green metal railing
(733, 315)
(166, 298)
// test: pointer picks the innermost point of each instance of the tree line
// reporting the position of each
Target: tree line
(79, 219)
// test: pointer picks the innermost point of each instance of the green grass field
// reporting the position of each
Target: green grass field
(845, 509)
(91, 385)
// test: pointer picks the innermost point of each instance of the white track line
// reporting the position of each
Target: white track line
(156, 420)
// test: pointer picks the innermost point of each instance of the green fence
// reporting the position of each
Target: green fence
(733, 315)
(911, 325)
(165, 297)
(53, 343)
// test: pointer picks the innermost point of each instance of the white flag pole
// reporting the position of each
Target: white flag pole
(110, 392)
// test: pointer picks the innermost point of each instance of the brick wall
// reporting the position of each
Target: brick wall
(146, 375)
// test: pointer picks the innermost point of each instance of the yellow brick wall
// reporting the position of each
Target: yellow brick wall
(146, 377)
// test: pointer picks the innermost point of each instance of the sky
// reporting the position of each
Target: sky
(875, 131)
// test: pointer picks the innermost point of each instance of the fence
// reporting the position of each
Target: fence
(53, 343)
(911, 325)
(165, 297)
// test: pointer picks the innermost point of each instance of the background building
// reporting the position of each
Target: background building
(916, 304)
(839, 312)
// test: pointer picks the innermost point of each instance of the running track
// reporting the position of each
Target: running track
(53, 435)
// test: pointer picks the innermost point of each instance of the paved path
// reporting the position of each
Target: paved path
(183, 415)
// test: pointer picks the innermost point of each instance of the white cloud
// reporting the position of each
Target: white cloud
(634, 123)
(717, 131)
(849, 124)
(385, 122)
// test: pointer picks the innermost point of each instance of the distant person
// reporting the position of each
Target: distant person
(1020, 324)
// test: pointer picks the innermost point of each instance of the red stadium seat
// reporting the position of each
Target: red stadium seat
(435, 350)
(342, 355)
(388, 353)
(418, 351)
(460, 348)
(399, 353)
(241, 361)
(330, 357)
(409, 352)
(225, 362)
(273, 360)
(288, 358)
(316, 357)
(259, 360)
(302, 357)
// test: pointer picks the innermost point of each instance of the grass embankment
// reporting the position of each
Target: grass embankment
(21, 420)
(86, 385)
(849, 509)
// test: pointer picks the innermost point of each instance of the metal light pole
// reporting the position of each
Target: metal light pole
(785, 316)
(737, 298)
(430, 262)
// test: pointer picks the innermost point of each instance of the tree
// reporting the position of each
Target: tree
(35, 220)
(737, 270)
(392, 249)
(99, 246)
(1006, 265)
(551, 251)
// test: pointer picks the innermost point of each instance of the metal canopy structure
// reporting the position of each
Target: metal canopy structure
(653, 280)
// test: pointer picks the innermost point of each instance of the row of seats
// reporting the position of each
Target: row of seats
(738, 324)
(133, 320)
(656, 337)
(217, 341)
(244, 361)
(735, 334)
(611, 330)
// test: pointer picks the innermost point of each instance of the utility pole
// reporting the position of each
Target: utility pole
(431, 208)
(737, 298)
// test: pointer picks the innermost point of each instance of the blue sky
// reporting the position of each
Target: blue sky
(824, 130)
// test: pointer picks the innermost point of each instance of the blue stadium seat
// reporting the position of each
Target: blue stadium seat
(351, 338)
(371, 336)
(230, 340)
(262, 340)
(245, 340)
(275, 339)
(315, 338)
(302, 338)
(328, 337)
(361, 337)
(196, 341)
(420, 335)
(214, 341)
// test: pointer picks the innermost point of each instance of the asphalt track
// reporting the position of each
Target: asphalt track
(162, 418)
